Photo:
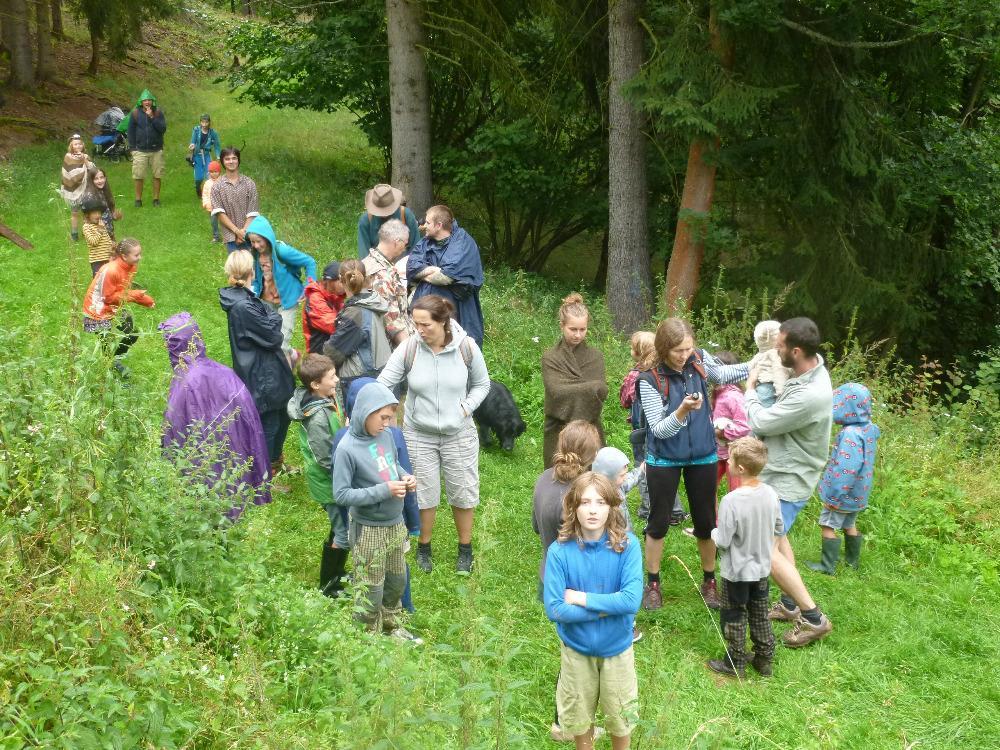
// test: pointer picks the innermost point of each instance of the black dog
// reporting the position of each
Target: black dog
(499, 413)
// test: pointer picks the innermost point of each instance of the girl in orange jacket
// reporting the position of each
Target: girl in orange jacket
(108, 292)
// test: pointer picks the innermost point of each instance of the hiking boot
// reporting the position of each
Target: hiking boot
(828, 557)
(651, 596)
(636, 634)
(710, 593)
(463, 566)
(725, 667)
(424, 561)
(75, 236)
(805, 632)
(558, 734)
(761, 665)
(156, 202)
(780, 613)
(852, 550)
(402, 634)
(138, 203)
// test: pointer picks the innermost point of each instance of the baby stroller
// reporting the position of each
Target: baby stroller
(112, 142)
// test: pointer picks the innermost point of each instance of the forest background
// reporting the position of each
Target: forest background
(131, 620)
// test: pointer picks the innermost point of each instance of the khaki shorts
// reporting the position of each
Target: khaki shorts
(144, 162)
(456, 456)
(585, 681)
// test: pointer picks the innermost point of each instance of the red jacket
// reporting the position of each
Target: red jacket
(319, 316)
(110, 288)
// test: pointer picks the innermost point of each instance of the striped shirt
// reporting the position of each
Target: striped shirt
(237, 200)
(98, 242)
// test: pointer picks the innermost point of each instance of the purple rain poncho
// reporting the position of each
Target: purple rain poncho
(210, 394)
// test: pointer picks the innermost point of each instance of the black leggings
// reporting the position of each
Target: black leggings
(700, 483)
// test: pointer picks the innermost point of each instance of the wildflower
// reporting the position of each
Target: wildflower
(35, 428)
(713, 344)
(151, 564)
(535, 339)
(126, 608)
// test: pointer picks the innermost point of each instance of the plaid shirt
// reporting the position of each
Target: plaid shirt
(237, 200)
(388, 284)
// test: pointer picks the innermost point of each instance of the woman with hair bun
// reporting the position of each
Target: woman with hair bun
(446, 379)
(573, 375)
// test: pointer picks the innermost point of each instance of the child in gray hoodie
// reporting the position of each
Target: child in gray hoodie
(368, 479)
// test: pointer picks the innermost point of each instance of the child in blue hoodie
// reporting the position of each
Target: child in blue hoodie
(280, 276)
(368, 479)
(411, 514)
(593, 588)
(847, 480)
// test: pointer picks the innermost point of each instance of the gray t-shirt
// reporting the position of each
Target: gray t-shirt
(547, 511)
(749, 519)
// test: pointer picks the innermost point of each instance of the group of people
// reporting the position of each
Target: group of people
(691, 423)
(402, 325)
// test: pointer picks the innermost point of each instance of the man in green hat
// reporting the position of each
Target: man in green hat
(146, 126)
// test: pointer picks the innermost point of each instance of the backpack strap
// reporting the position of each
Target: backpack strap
(409, 355)
(365, 350)
(466, 349)
(699, 366)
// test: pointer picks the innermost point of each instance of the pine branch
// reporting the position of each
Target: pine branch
(824, 39)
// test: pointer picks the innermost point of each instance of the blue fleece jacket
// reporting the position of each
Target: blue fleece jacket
(287, 264)
(613, 584)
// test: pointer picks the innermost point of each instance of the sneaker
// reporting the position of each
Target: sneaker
(761, 665)
(216, 239)
(156, 202)
(677, 519)
(636, 634)
(710, 593)
(724, 666)
(690, 531)
(402, 634)
(463, 566)
(805, 632)
(75, 236)
(651, 596)
(424, 561)
(780, 613)
(558, 734)
(138, 203)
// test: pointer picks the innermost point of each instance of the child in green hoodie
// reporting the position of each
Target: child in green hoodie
(368, 479)
(314, 406)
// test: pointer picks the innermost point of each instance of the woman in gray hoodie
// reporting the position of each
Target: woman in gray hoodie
(446, 380)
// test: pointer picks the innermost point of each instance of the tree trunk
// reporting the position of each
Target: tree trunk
(17, 39)
(57, 23)
(629, 287)
(409, 102)
(684, 268)
(95, 51)
(247, 8)
(45, 66)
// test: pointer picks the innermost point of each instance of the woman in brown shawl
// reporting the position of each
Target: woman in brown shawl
(573, 373)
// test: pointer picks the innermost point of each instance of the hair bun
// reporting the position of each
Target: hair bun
(574, 298)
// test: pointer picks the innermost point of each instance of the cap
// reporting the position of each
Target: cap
(332, 271)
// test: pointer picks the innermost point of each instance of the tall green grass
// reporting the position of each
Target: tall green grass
(129, 621)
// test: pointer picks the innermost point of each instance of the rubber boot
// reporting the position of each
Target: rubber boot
(407, 598)
(852, 549)
(331, 570)
(830, 555)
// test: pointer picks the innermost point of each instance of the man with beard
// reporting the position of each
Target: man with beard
(796, 430)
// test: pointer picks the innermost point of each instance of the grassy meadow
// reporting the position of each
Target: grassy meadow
(98, 649)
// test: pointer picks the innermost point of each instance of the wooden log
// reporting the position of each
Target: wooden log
(10, 234)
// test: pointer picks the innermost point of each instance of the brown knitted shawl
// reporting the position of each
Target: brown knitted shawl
(575, 382)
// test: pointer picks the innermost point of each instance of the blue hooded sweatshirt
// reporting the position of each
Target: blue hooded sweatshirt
(364, 463)
(613, 584)
(411, 513)
(287, 264)
(847, 480)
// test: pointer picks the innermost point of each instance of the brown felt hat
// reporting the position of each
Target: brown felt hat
(383, 200)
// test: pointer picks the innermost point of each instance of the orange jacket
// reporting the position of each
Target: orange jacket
(110, 288)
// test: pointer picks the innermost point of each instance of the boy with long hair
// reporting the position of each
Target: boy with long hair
(593, 588)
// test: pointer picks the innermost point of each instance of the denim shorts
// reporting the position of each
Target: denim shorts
(790, 510)
(836, 519)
